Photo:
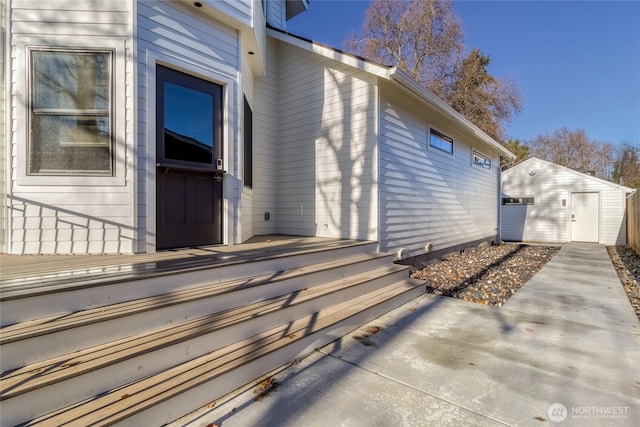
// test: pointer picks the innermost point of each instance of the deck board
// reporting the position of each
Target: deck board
(20, 273)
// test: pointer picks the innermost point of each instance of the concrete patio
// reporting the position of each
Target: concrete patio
(564, 350)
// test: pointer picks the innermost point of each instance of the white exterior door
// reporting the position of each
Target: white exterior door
(584, 217)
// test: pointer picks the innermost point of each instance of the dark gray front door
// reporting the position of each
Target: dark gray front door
(188, 150)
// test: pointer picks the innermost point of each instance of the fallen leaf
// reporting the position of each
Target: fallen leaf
(211, 404)
(265, 383)
(373, 329)
(265, 387)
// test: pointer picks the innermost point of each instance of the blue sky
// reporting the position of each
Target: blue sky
(577, 63)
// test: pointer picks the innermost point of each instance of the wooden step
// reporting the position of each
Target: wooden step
(40, 339)
(42, 387)
(166, 396)
(31, 296)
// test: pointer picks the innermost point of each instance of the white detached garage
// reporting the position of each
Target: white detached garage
(546, 202)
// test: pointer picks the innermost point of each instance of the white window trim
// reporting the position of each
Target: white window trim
(477, 153)
(22, 113)
(445, 134)
(518, 204)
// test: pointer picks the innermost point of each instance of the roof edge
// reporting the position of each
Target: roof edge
(393, 74)
(573, 171)
(409, 83)
(331, 53)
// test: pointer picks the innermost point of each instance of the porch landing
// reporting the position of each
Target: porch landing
(22, 275)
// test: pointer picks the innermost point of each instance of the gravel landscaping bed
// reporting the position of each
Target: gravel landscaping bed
(486, 275)
(491, 274)
(627, 264)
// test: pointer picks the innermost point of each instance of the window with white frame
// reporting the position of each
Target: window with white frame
(481, 160)
(440, 141)
(70, 112)
(518, 201)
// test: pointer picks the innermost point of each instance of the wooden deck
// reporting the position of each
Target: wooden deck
(26, 274)
(175, 330)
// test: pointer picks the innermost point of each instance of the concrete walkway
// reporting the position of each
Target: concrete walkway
(565, 350)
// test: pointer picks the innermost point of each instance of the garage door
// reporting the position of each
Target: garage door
(584, 217)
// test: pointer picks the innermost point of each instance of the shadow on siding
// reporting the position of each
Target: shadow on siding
(67, 231)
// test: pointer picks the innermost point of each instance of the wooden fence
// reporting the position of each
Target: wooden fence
(633, 221)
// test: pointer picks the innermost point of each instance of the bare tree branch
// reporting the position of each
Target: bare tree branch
(424, 38)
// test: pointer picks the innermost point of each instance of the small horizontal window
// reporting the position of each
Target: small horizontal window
(481, 160)
(518, 201)
(440, 141)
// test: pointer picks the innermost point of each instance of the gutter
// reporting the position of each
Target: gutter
(407, 82)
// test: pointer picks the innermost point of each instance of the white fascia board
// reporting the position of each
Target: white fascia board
(407, 82)
(332, 53)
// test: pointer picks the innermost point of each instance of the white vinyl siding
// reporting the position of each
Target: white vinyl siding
(613, 220)
(3, 194)
(327, 149)
(169, 33)
(246, 211)
(71, 215)
(276, 13)
(426, 195)
(82, 18)
(72, 220)
(265, 145)
(240, 10)
(549, 220)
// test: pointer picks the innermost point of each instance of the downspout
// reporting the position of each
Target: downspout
(131, 60)
(376, 165)
(499, 204)
(5, 143)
